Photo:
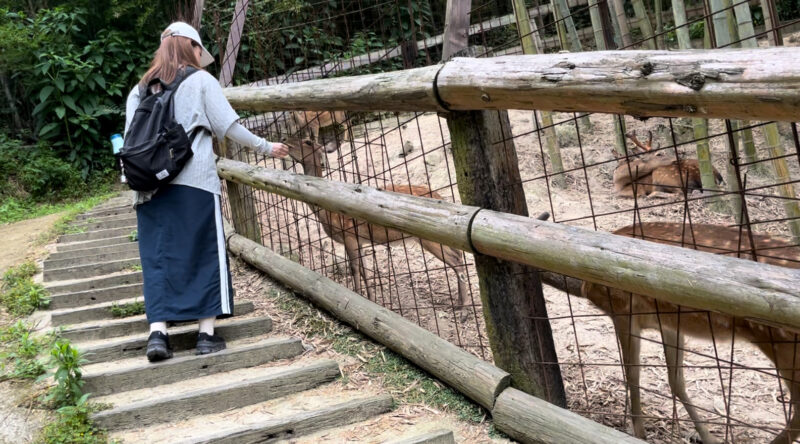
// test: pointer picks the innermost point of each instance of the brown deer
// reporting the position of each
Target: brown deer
(354, 233)
(632, 313)
(655, 173)
(310, 122)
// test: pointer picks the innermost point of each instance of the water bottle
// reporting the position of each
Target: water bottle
(116, 146)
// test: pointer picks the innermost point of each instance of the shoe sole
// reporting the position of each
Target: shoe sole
(205, 350)
(156, 354)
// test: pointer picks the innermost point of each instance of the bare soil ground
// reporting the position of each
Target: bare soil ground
(744, 400)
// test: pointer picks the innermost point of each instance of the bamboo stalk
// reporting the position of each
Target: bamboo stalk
(659, 7)
(782, 175)
(681, 29)
(573, 43)
(529, 33)
(768, 24)
(597, 25)
(744, 21)
(621, 21)
(643, 22)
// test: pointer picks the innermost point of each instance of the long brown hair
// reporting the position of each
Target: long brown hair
(173, 53)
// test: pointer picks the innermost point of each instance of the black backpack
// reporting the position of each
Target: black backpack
(156, 147)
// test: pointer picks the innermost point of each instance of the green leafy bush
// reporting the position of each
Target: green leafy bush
(19, 294)
(67, 361)
(20, 350)
(73, 425)
(36, 173)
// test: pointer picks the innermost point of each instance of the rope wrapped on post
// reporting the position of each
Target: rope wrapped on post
(737, 287)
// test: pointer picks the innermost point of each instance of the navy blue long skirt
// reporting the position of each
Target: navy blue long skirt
(184, 260)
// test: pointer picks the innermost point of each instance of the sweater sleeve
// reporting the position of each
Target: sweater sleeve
(243, 136)
(219, 112)
(130, 107)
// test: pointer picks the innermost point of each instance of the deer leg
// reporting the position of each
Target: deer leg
(452, 258)
(673, 352)
(788, 359)
(353, 250)
(628, 334)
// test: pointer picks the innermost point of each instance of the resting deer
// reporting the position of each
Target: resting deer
(655, 173)
(779, 345)
(310, 122)
(354, 234)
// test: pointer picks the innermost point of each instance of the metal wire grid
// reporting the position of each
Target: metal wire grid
(372, 151)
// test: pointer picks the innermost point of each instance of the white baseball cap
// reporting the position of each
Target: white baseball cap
(186, 30)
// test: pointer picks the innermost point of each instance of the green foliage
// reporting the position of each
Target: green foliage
(697, 29)
(80, 86)
(126, 310)
(36, 173)
(67, 361)
(134, 236)
(73, 425)
(19, 295)
(19, 352)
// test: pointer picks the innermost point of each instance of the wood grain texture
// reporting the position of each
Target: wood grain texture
(528, 419)
(95, 296)
(475, 378)
(304, 423)
(421, 217)
(435, 437)
(148, 374)
(181, 338)
(218, 399)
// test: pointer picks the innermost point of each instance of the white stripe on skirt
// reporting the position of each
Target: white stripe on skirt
(223, 264)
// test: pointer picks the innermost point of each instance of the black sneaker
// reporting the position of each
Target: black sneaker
(209, 344)
(158, 347)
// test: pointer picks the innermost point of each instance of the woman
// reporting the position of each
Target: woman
(181, 243)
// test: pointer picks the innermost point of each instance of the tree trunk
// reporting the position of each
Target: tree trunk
(643, 21)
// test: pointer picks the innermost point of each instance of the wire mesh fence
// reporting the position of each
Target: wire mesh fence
(722, 186)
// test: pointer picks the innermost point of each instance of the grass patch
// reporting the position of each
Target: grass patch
(19, 351)
(19, 295)
(72, 209)
(407, 382)
(126, 310)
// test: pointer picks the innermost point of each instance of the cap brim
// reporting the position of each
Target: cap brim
(206, 58)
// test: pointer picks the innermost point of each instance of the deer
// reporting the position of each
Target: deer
(778, 344)
(354, 234)
(310, 122)
(655, 173)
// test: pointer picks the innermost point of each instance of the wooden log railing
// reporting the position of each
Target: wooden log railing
(524, 417)
(762, 292)
(750, 84)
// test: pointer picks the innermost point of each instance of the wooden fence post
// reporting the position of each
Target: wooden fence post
(513, 302)
(240, 197)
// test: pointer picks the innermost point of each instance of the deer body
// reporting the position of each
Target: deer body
(312, 121)
(632, 313)
(650, 172)
(354, 234)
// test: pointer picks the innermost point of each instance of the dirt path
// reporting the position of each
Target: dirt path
(19, 240)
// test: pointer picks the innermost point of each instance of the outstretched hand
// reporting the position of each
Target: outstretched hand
(279, 150)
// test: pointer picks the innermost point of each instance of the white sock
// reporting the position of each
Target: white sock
(207, 325)
(158, 326)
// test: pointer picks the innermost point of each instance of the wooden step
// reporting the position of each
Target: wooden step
(102, 256)
(118, 210)
(127, 246)
(304, 423)
(181, 338)
(91, 270)
(88, 313)
(114, 328)
(146, 374)
(440, 436)
(96, 296)
(105, 223)
(109, 233)
(121, 240)
(95, 283)
(216, 399)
